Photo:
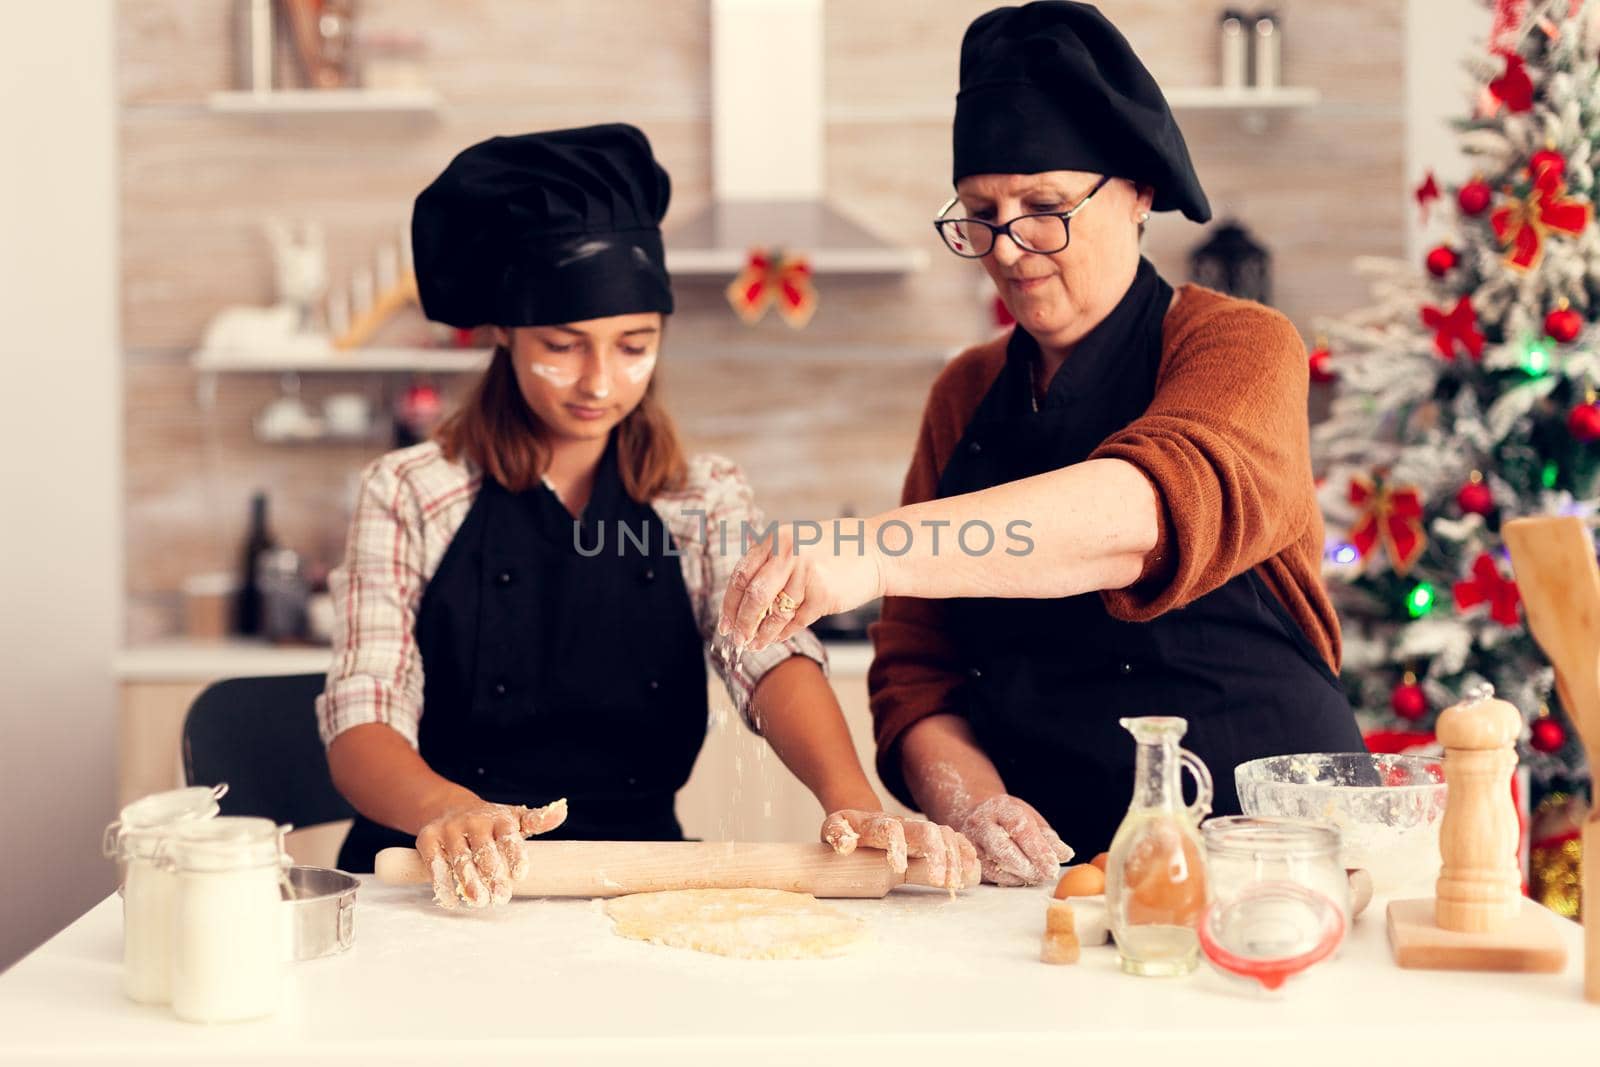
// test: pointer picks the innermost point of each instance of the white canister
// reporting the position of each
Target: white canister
(228, 948)
(147, 888)
(1235, 51)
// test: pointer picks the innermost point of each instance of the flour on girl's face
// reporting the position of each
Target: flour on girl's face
(635, 370)
(639, 369)
(562, 377)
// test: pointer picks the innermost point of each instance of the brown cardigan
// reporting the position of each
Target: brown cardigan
(1225, 443)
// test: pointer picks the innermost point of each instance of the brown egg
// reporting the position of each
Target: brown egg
(1081, 881)
(1100, 861)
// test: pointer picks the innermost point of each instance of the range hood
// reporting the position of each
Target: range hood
(767, 153)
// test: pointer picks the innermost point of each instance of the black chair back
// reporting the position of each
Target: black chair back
(260, 736)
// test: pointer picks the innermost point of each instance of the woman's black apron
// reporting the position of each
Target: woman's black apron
(551, 669)
(1047, 680)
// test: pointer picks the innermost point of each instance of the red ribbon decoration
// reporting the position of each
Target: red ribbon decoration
(1392, 516)
(1426, 194)
(774, 279)
(1514, 88)
(1521, 225)
(1508, 16)
(1488, 585)
(1459, 325)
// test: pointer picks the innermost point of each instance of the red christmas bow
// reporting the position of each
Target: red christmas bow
(1514, 88)
(1488, 585)
(1521, 225)
(1393, 516)
(774, 279)
(1457, 326)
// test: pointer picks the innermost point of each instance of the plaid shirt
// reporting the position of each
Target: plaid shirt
(409, 508)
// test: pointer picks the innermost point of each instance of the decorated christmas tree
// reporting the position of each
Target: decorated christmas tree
(1466, 396)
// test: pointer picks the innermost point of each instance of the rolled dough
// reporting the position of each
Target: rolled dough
(755, 924)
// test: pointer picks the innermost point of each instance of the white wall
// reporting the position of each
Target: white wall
(1439, 36)
(60, 461)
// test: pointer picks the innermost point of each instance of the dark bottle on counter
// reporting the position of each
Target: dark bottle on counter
(257, 543)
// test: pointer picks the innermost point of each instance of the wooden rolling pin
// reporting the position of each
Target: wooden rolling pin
(618, 868)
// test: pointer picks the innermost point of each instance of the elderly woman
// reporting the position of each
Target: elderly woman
(1122, 484)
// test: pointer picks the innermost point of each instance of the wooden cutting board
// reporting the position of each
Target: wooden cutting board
(619, 868)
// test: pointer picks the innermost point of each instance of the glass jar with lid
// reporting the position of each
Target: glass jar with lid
(134, 841)
(1280, 897)
(229, 948)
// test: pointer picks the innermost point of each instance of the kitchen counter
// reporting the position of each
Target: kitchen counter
(944, 981)
(181, 660)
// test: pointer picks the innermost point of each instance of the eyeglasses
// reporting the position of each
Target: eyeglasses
(1045, 233)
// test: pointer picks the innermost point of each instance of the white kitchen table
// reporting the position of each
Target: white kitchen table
(943, 981)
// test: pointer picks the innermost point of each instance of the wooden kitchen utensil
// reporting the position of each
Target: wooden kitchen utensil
(1554, 560)
(619, 868)
(1478, 920)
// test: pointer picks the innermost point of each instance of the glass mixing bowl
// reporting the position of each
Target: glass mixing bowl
(1387, 809)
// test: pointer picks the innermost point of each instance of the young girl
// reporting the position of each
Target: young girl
(527, 602)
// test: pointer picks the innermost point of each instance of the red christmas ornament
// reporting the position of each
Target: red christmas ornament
(1546, 164)
(1548, 735)
(1409, 701)
(1473, 198)
(999, 314)
(1583, 422)
(1442, 260)
(1459, 325)
(1563, 324)
(1475, 498)
(1320, 371)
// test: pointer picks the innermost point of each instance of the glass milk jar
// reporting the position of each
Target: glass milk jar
(147, 887)
(229, 950)
(1156, 872)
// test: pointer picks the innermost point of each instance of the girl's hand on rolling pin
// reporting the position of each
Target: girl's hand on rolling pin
(475, 852)
(1015, 844)
(952, 861)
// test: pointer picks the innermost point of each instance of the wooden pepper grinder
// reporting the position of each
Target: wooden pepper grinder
(1478, 919)
(1480, 888)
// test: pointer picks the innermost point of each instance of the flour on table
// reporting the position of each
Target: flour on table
(756, 924)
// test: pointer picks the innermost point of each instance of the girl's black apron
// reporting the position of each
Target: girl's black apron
(554, 670)
(1047, 680)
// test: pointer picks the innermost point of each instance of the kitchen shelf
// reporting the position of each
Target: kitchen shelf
(1217, 98)
(334, 361)
(717, 242)
(326, 102)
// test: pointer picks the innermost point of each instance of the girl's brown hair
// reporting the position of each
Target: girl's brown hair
(497, 430)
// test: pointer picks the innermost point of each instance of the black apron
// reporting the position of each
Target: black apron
(560, 662)
(1048, 679)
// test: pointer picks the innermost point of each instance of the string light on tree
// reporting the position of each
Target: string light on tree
(1535, 360)
(1420, 600)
